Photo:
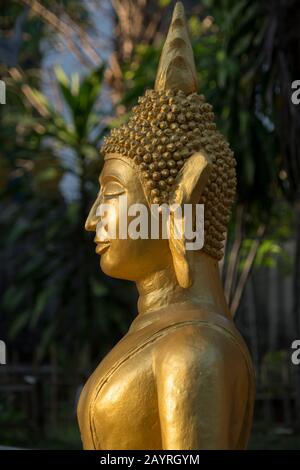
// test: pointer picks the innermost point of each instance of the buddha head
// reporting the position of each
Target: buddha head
(169, 151)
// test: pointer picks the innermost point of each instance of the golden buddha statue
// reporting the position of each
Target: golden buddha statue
(181, 378)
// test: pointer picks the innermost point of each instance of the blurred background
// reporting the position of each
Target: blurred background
(73, 69)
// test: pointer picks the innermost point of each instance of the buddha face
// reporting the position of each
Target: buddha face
(131, 259)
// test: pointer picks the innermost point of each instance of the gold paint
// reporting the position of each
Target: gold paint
(177, 69)
(182, 377)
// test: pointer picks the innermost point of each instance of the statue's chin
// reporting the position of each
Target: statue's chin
(106, 266)
(113, 268)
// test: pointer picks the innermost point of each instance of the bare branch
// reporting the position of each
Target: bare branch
(67, 28)
(246, 271)
(234, 254)
(17, 75)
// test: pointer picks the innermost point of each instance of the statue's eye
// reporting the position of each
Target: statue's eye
(112, 189)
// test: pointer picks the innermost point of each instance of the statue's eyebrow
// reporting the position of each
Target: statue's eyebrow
(109, 177)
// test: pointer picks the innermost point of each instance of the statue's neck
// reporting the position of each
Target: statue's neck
(161, 289)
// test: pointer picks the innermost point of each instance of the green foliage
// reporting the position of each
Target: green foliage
(55, 303)
(226, 45)
(11, 423)
(140, 73)
(164, 3)
(54, 295)
(53, 292)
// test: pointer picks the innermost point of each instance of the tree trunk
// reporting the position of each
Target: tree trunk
(296, 277)
(296, 301)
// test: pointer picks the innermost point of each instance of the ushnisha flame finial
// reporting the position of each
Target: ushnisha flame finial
(176, 70)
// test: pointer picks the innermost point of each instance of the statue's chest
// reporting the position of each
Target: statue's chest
(118, 407)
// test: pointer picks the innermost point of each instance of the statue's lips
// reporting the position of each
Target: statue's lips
(101, 247)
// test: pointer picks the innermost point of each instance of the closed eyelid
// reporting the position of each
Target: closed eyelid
(111, 181)
(113, 192)
(112, 187)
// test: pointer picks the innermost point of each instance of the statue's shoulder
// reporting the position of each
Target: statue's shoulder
(203, 340)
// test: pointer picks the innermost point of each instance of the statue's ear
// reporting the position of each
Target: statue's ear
(189, 186)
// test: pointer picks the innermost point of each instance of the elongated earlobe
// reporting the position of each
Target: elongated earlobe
(190, 184)
(181, 266)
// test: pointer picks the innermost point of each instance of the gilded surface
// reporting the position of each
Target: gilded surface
(182, 377)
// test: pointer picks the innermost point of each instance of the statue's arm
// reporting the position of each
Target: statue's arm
(196, 389)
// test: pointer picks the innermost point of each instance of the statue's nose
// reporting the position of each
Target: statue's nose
(92, 219)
